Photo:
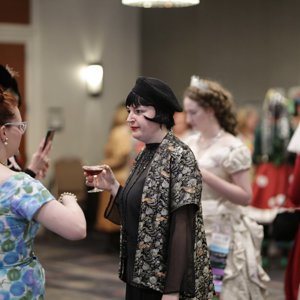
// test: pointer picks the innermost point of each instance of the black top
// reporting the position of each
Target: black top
(13, 165)
(180, 245)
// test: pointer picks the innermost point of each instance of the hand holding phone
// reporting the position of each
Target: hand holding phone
(39, 162)
(49, 137)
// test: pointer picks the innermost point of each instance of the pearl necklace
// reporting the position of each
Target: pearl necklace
(213, 140)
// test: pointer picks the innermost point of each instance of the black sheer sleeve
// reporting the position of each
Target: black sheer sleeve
(30, 172)
(181, 247)
(112, 212)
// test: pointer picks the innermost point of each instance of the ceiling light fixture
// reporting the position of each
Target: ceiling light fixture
(160, 3)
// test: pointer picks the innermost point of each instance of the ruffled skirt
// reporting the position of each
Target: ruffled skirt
(244, 278)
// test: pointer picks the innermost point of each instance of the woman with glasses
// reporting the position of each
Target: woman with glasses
(39, 162)
(21, 125)
(24, 204)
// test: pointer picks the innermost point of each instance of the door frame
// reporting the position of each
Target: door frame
(28, 35)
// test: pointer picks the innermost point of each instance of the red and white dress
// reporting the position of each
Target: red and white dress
(292, 274)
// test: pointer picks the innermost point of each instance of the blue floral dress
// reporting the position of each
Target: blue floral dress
(21, 274)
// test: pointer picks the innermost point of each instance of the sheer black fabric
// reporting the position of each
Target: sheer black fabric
(130, 203)
(112, 211)
(13, 165)
(180, 252)
(134, 293)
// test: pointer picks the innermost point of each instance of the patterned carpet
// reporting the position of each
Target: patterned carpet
(88, 269)
(79, 269)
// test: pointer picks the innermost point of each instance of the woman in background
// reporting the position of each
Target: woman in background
(117, 154)
(181, 128)
(247, 121)
(296, 112)
(234, 239)
(273, 164)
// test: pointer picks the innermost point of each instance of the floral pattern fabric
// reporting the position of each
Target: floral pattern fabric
(21, 275)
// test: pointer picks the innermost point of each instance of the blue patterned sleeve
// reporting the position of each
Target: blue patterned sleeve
(30, 196)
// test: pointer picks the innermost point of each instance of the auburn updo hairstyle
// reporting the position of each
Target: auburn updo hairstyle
(214, 96)
(8, 102)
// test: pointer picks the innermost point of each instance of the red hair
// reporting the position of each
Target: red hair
(8, 103)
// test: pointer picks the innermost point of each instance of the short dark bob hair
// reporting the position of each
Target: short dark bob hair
(163, 115)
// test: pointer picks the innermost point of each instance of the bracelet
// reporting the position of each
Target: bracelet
(60, 199)
(30, 172)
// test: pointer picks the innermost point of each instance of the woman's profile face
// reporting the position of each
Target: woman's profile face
(196, 115)
(13, 134)
(141, 128)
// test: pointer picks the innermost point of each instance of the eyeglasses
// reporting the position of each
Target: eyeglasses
(21, 125)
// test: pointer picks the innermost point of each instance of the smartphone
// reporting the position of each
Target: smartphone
(49, 137)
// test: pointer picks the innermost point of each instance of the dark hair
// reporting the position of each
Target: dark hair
(163, 116)
(8, 102)
(296, 104)
(276, 109)
(9, 82)
(216, 97)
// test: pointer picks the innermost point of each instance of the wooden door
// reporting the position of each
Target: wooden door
(13, 55)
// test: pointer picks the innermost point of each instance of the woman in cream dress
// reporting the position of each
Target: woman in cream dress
(234, 239)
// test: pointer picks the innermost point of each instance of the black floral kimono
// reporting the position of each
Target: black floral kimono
(172, 182)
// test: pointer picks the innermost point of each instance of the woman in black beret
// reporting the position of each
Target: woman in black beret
(163, 247)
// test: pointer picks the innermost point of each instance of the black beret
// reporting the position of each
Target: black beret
(157, 91)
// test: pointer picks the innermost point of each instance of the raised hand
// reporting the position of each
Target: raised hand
(39, 163)
(105, 180)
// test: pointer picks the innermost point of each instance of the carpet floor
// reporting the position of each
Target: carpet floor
(88, 269)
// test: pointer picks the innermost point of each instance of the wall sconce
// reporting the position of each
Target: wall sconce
(93, 75)
(160, 3)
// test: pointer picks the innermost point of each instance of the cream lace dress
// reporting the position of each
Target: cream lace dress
(244, 277)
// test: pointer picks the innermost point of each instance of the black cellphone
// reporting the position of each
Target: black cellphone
(49, 137)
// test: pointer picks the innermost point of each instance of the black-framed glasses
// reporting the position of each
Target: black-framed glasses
(21, 125)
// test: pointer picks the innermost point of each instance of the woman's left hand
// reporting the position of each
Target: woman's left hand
(170, 296)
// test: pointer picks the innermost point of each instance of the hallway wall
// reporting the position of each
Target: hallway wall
(68, 34)
(248, 45)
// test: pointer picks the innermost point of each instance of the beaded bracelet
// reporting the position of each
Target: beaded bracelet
(60, 199)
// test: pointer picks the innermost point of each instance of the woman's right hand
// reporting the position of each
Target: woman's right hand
(105, 180)
(39, 163)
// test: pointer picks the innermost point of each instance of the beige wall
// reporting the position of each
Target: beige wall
(248, 45)
(68, 34)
